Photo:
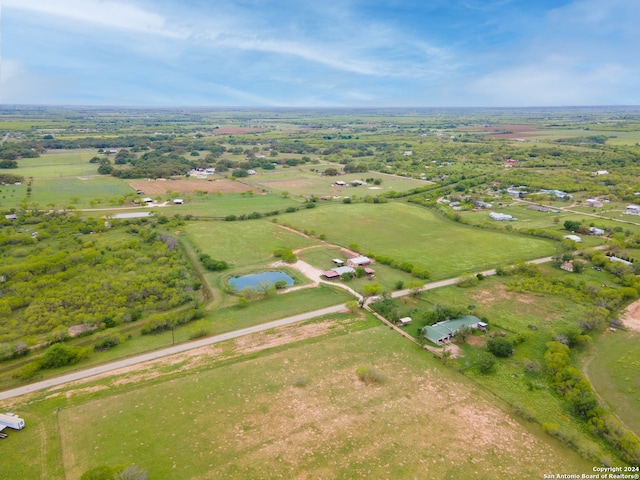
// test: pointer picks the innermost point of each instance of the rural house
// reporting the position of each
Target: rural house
(337, 272)
(444, 331)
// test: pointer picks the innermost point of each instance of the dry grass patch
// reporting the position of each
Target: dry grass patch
(250, 420)
(161, 187)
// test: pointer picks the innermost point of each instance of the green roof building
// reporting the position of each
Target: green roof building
(442, 332)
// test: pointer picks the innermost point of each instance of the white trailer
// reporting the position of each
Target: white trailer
(404, 321)
(11, 420)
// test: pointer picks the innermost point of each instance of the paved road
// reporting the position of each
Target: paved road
(90, 372)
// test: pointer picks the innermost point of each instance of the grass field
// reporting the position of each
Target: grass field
(615, 374)
(301, 181)
(295, 411)
(59, 164)
(512, 313)
(250, 243)
(419, 236)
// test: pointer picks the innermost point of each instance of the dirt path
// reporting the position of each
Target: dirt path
(110, 367)
(631, 316)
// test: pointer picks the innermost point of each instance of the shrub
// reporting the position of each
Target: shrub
(369, 375)
(60, 355)
(107, 339)
(500, 347)
(199, 329)
(286, 255)
(211, 264)
(156, 324)
(485, 362)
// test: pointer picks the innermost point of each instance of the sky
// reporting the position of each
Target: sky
(314, 53)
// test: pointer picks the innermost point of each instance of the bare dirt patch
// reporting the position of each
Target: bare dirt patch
(280, 337)
(631, 317)
(161, 187)
(487, 297)
(477, 341)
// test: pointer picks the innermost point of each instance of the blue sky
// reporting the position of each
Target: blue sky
(313, 53)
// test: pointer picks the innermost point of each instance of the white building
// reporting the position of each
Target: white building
(502, 217)
(633, 209)
(575, 238)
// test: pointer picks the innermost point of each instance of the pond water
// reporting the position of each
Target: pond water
(255, 279)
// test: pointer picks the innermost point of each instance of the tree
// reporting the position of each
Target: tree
(571, 225)
(415, 286)
(352, 306)
(372, 289)
(500, 347)
(462, 334)
(485, 362)
(331, 172)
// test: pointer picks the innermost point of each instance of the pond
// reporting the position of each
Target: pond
(255, 279)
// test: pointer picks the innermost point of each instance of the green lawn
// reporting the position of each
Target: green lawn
(419, 236)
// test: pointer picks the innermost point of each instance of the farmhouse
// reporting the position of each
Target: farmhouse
(602, 172)
(444, 331)
(596, 231)
(358, 262)
(337, 272)
(404, 321)
(178, 201)
(340, 183)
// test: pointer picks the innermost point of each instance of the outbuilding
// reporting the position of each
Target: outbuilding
(358, 261)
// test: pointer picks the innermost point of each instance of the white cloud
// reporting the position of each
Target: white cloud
(110, 14)
(553, 83)
(19, 85)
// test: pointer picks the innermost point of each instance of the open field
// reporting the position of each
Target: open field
(614, 371)
(161, 187)
(58, 164)
(443, 247)
(302, 181)
(297, 410)
(250, 243)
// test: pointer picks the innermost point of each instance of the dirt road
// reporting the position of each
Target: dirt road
(90, 372)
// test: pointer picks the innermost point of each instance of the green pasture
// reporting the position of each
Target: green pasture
(247, 244)
(249, 417)
(301, 181)
(58, 164)
(418, 235)
(614, 372)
